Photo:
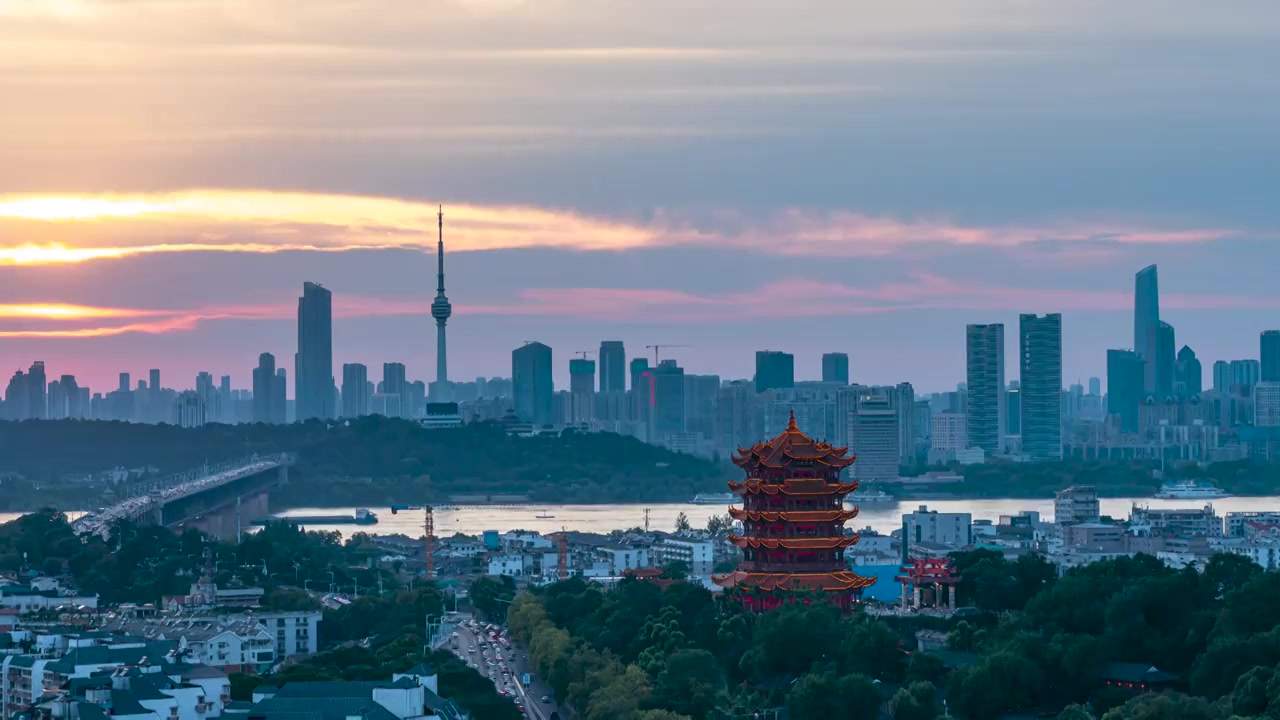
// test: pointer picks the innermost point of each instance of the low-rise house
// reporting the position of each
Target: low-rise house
(412, 695)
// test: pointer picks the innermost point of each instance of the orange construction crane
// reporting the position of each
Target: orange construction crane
(562, 547)
(429, 530)
(656, 348)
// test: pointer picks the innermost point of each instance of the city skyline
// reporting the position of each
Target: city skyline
(655, 173)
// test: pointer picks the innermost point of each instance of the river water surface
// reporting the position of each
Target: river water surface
(883, 517)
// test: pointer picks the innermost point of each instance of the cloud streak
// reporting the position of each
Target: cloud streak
(61, 229)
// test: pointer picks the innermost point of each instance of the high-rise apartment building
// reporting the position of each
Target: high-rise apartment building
(774, 370)
(1125, 387)
(701, 395)
(37, 388)
(667, 413)
(280, 400)
(613, 366)
(395, 387)
(1245, 373)
(1269, 343)
(1095, 386)
(1266, 404)
(225, 403)
(313, 371)
(1013, 410)
(154, 387)
(835, 368)
(1040, 353)
(355, 390)
(1146, 324)
(1221, 376)
(532, 383)
(1166, 359)
(1188, 376)
(904, 401)
(984, 351)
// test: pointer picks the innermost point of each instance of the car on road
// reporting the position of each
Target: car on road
(546, 699)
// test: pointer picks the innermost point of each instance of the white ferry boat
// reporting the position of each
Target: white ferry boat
(714, 499)
(1189, 490)
(866, 497)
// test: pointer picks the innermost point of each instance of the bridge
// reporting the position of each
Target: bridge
(219, 499)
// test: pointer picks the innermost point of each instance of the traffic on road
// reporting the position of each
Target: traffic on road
(488, 650)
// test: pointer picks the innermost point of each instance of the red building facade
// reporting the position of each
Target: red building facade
(793, 518)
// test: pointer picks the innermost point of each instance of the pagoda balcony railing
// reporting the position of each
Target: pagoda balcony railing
(768, 503)
(793, 567)
(792, 531)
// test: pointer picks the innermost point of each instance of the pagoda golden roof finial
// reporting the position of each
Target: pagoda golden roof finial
(791, 424)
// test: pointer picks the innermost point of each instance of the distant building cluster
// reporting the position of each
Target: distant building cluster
(1155, 404)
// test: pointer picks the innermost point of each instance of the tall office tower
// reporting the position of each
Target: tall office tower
(582, 390)
(874, 437)
(1166, 359)
(774, 370)
(441, 309)
(313, 369)
(394, 383)
(904, 403)
(1245, 373)
(225, 403)
(984, 351)
(1270, 347)
(1126, 381)
(153, 376)
(264, 381)
(641, 389)
(1040, 350)
(57, 401)
(355, 392)
(1095, 386)
(416, 404)
(1188, 376)
(124, 383)
(1221, 376)
(668, 400)
(37, 405)
(15, 398)
(835, 368)
(701, 393)
(1146, 325)
(1013, 410)
(208, 396)
(613, 366)
(279, 399)
(737, 417)
(531, 383)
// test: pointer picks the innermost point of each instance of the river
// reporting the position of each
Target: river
(883, 517)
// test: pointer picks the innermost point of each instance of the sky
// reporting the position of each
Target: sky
(726, 175)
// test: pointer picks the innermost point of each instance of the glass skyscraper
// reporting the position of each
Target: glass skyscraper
(1124, 387)
(531, 383)
(313, 370)
(1270, 347)
(1040, 355)
(774, 370)
(984, 377)
(1146, 324)
(613, 366)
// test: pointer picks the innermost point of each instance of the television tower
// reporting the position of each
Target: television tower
(440, 308)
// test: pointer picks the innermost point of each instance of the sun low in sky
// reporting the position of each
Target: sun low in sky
(868, 177)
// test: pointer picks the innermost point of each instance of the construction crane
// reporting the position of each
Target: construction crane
(656, 348)
(562, 548)
(429, 531)
(585, 353)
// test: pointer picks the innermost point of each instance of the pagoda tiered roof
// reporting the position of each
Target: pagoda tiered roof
(795, 516)
(835, 581)
(794, 543)
(792, 486)
(789, 447)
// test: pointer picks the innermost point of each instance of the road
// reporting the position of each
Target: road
(491, 658)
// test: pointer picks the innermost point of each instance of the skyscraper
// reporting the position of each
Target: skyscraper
(531, 383)
(1221, 376)
(1125, 387)
(1270, 354)
(582, 389)
(37, 387)
(440, 308)
(355, 392)
(984, 352)
(1146, 324)
(279, 398)
(835, 368)
(313, 371)
(613, 366)
(225, 403)
(641, 389)
(1188, 376)
(774, 370)
(1095, 386)
(124, 383)
(264, 380)
(668, 400)
(1040, 351)
(1166, 359)
(154, 387)
(874, 436)
(1245, 373)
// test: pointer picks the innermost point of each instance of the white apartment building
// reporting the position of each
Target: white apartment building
(930, 526)
(620, 559)
(697, 553)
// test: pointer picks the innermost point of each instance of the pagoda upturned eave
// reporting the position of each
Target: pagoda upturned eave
(792, 446)
(839, 580)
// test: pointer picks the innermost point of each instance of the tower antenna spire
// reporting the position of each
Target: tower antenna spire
(440, 308)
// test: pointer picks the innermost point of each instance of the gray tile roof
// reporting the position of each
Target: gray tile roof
(324, 708)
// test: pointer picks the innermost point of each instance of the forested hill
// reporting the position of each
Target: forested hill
(369, 461)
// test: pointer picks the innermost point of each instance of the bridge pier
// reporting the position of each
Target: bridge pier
(228, 521)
